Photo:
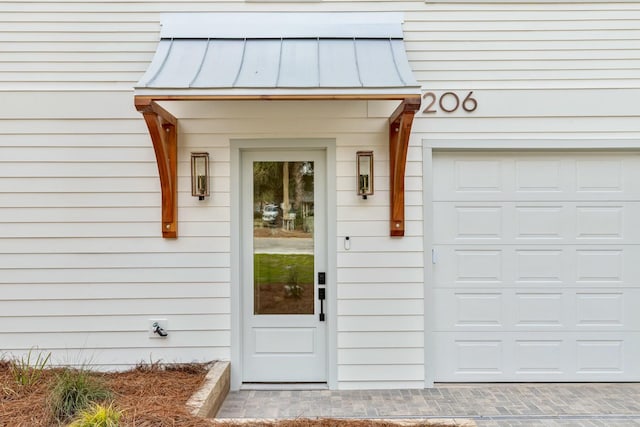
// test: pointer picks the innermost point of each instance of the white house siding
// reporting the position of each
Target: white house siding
(546, 75)
(82, 263)
(538, 69)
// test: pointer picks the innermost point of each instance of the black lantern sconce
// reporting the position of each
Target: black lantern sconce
(364, 160)
(200, 175)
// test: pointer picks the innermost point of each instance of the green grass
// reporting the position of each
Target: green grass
(280, 268)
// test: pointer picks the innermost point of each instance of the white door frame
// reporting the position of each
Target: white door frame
(298, 144)
(428, 146)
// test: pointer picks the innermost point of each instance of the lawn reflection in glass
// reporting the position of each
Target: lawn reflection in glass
(283, 258)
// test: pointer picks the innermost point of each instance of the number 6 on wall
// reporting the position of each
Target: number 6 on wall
(469, 100)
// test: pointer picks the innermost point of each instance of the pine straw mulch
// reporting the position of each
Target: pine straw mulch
(149, 396)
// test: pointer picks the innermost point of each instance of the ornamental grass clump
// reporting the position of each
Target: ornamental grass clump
(98, 416)
(27, 370)
(74, 391)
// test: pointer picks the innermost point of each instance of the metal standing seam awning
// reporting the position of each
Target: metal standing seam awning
(277, 56)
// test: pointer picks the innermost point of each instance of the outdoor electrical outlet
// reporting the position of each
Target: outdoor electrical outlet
(153, 326)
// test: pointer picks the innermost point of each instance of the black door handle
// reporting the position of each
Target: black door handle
(321, 297)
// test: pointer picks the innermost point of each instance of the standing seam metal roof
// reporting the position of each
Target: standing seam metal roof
(326, 51)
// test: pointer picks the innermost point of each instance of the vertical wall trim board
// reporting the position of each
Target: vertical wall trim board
(236, 271)
(429, 321)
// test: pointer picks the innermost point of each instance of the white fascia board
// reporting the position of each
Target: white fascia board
(372, 93)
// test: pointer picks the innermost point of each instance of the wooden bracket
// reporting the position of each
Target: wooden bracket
(400, 124)
(163, 129)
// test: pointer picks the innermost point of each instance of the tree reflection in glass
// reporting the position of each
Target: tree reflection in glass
(283, 259)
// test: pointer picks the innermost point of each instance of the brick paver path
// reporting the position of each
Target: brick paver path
(487, 404)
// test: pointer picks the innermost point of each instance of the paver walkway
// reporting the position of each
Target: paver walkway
(488, 405)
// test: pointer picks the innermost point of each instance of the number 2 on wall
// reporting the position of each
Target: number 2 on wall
(469, 104)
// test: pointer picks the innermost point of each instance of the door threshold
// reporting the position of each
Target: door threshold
(284, 386)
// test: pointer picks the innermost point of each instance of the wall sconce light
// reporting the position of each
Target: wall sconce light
(200, 175)
(365, 173)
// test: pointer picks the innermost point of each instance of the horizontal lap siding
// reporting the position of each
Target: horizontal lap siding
(83, 266)
(380, 279)
(86, 257)
(538, 70)
(553, 70)
(544, 72)
(87, 240)
(80, 201)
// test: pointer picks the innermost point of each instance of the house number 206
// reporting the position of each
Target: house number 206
(449, 102)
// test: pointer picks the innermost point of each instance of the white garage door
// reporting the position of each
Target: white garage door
(537, 267)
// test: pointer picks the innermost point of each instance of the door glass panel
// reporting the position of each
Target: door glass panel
(283, 250)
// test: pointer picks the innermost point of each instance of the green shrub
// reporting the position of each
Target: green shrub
(27, 371)
(74, 391)
(98, 416)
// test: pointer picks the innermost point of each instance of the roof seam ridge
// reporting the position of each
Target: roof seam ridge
(318, 60)
(244, 48)
(164, 61)
(279, 63)
(204, 56)
(395, 63)
(355, 57)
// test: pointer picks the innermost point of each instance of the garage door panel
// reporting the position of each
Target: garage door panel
(476, 266)
(536, 274)
(536, 176)
(469, 310)
(535, 223)
(524, 309)
(597, 356)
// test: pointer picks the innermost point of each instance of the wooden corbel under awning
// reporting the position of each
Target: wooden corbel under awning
(400, 124)
(163, 129)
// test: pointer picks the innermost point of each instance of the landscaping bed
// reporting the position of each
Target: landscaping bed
(149, 395)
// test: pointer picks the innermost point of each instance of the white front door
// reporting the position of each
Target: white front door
(283, 256)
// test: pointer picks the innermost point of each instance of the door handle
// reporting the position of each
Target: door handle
(321, 297)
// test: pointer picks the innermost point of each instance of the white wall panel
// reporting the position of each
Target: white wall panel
(375, 323)
(111, 291)
(114, 307)
(373, 228)
(380, 340)
(124, 323)
(408, 356)
(401, 291)
(381, 372)
(100, 340)
(118, 358)
(78, 174)
(381, 260)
